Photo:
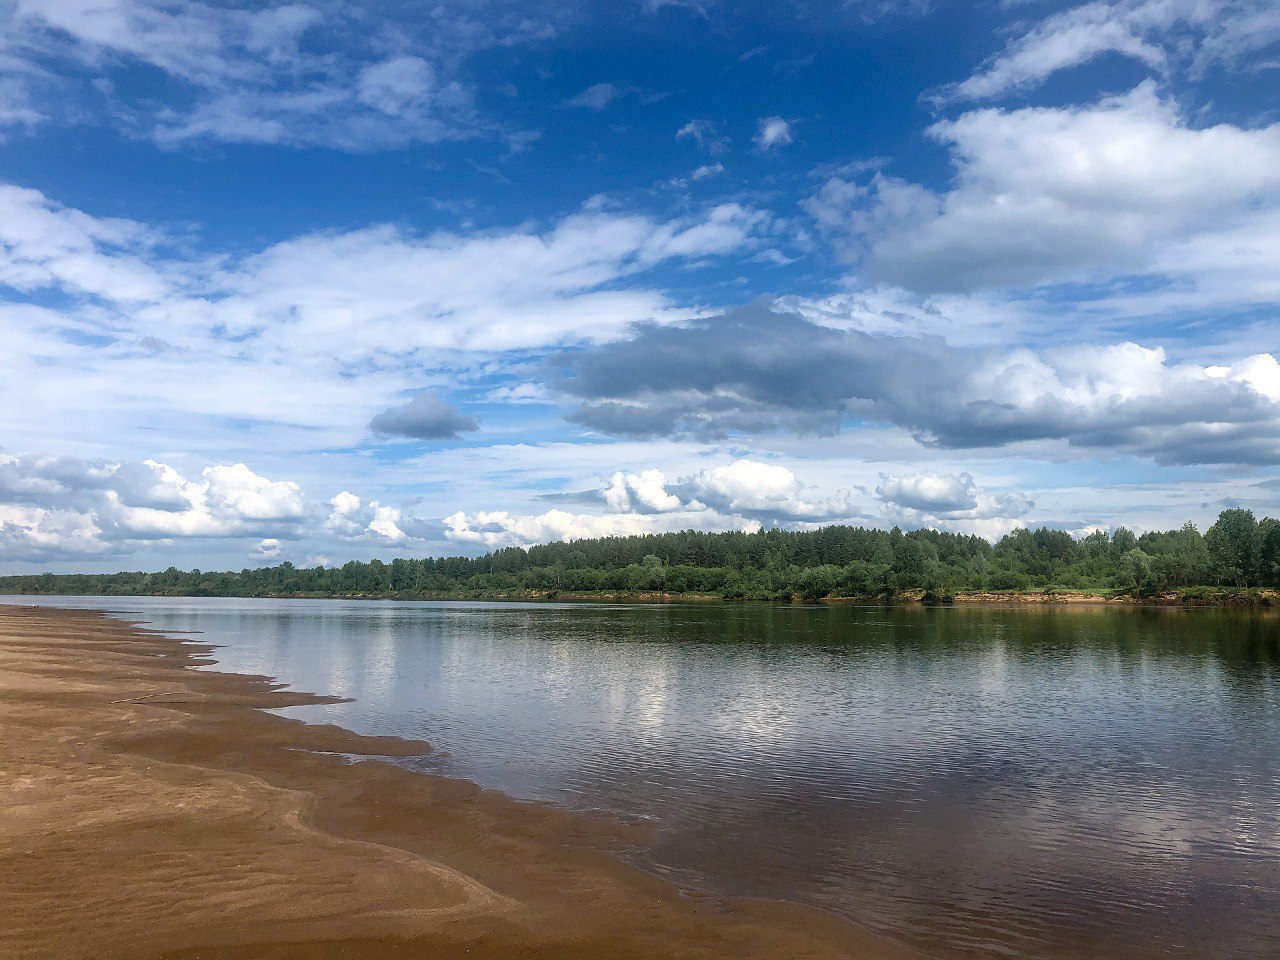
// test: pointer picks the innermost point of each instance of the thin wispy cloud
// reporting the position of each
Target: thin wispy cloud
(294, 74)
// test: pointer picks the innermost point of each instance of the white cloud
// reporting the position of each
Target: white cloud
(772, 132)
(269, 548)
(705, 134)
(381, 289)
(53, 506)
(520, 393)
(238, 491)
(596, 97)
(695, 6)
(962, 319)
(762, 491)
(35, 533)
(227, 500)
(644, 492)
(740, 495)
(1160, 34)
(742, 488)
(498, 528)
(360, 316)
(397, 86)
(1045, 194)
(292, 74)
(1261, 372)
(345, 503)
(58, 507)
(350, 519)
(935, 493)
(20, 107)
(386, 522)
(952, 502)
(43, 244)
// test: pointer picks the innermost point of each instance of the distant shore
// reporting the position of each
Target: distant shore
(155, 811)
(1190, 597)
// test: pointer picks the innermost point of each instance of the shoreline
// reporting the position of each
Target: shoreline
(1196, 597)
(155, 810)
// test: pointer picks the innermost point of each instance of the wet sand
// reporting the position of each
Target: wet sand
(149, 810)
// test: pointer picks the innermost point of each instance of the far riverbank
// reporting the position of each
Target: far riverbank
(1188, 597)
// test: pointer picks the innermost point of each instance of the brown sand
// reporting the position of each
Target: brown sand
(146, 810)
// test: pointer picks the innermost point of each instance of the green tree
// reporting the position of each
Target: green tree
(814, 583)
(1135, 572)
(916, 564)
(1233, 544)
(1267, 552)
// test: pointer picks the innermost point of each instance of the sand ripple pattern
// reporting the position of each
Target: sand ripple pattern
(108, 852)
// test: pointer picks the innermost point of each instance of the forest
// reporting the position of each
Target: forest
(1238, 557)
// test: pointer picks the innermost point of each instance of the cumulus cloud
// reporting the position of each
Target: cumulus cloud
(743, 494)
(344, 515)
(351, 519)
(1161, 34)
(34, 533)
(494, 529)
(761, 491)
(498, 528)
(53, 506)
(744, 373)
(386, 522)
(744, 488)
(226, 501)
(946, 493)
(772, 132)
(425, 417)
(644, 492)
(1047, 194)
(952, 502)
(268, 549)
(61, 508)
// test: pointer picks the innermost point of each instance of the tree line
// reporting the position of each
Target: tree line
(1238, 553)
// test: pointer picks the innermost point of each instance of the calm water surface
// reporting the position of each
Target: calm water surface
(1065, 783)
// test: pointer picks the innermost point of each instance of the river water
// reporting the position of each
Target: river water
(978, 782)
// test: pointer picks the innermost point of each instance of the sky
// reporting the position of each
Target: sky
(323, 281)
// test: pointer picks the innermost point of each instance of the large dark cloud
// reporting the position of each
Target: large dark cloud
(757, 370)
(423, 418)
(751, 371)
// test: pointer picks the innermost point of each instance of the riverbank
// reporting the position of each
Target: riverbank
(153, 810)
(1186, 597)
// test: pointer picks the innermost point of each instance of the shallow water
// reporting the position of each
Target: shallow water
(979, 782)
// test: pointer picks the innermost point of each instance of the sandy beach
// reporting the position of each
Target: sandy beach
(149, 810)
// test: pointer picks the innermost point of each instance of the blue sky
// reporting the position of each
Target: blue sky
(319, 281)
